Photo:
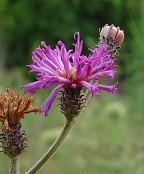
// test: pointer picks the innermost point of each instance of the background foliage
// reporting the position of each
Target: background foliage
(109, 135)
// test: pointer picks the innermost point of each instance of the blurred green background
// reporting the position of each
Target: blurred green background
(109, 135)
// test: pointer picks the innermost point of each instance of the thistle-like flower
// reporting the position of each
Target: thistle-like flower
(71, 71)
(12, 109)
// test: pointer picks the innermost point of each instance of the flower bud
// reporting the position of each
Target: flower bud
(113, 37)
(112, 34)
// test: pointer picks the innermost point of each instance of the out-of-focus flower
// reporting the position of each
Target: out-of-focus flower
(113, 37)
(12, 109)
(112, 33)
(70, 70)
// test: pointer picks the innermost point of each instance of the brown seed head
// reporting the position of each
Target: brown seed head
(13, 108)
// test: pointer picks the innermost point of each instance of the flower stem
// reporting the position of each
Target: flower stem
(14, 166)
(51, 151)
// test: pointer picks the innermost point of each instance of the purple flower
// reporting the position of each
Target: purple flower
(70, 69)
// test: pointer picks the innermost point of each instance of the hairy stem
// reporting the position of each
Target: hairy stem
(14, 166)
(51, 151)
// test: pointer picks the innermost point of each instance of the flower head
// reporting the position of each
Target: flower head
(70, 70)
(12, 109)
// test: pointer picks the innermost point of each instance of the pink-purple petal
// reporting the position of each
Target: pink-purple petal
(91, 87)
(31, 87)
(46, 106)
(65, 57)
(111, 89)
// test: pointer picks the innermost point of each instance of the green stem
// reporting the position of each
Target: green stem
(14, 166)
(51, 151)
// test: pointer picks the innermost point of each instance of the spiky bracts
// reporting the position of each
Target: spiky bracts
(72, 102)
(13, 143)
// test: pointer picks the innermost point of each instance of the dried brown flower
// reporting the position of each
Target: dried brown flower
(12, 109)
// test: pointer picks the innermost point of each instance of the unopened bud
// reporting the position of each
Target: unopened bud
(113, 37)
(112, 34)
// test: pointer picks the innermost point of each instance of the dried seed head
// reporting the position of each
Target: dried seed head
(72, 102)
(12, 109)
(113, 37)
